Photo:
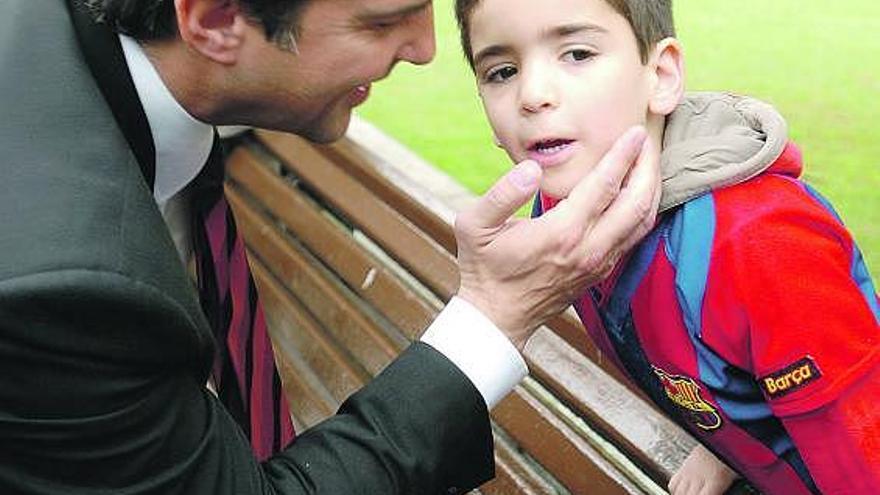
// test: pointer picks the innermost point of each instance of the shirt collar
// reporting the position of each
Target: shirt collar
(182, 142)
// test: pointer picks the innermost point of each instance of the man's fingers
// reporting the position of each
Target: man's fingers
(505, 196)
(632, 213)
(642, 191)
(601, 185)
(643, 179)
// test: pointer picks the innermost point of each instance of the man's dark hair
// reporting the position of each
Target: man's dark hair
(152, 20)
(651, 21)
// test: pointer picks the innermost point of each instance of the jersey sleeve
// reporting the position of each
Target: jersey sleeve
(812, 328)
(840, 442)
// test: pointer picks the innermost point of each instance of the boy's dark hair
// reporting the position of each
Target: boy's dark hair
(650, 20)
(153, 20)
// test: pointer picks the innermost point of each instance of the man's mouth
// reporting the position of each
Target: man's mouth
(359, 95)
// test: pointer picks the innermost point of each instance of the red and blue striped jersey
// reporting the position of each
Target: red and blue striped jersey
(748, 316)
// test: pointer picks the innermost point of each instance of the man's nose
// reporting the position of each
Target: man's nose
(537, 91)
(421, 46)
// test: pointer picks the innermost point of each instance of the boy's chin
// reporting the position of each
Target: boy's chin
(557, 189)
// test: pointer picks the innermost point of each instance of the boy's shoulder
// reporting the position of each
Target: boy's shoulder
(775, 195)
(714, 140)
(762, 223)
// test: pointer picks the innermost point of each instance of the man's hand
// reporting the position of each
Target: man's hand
(521, 272)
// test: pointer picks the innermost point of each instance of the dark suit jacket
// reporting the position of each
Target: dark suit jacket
(104, 352)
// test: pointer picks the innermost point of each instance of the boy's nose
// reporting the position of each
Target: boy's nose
(537, 91)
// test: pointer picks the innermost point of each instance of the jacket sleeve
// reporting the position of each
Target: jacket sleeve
(100, 393)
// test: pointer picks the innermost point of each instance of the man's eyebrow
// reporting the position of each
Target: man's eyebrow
(554, 32)
(371, 14)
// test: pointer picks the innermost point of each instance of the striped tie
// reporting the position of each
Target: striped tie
(244, 368)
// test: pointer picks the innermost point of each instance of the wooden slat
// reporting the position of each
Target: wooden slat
(351, 159)
(339, 374)
(371, 345)
(559, 450)
(399, 237)
(361, 271)
(513, 474)
(309, 400)
(652, 441)
(572, 331)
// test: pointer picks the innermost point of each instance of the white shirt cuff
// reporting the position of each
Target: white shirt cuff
(480, 350)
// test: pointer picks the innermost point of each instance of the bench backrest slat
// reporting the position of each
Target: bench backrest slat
(339, 251)
(407, 244)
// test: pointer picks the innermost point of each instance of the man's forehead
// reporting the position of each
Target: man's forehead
(335, 17)
(389, 8)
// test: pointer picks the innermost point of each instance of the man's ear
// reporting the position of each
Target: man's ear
(213, 28)
(667, 63)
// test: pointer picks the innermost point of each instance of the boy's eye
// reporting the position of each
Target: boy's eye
(578, 55)
(501, 74)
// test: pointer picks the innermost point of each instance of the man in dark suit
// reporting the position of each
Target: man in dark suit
(104, 349)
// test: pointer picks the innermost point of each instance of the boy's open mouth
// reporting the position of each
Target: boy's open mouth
(550, 146)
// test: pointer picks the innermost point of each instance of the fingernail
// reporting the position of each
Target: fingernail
(525, 175)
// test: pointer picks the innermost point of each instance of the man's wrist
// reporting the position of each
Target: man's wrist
(478, 348)
(497, 318)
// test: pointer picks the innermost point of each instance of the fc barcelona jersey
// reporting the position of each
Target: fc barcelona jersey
(743, 307)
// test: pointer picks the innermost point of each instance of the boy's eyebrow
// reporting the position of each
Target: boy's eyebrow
(577, 28)
(555, 32)
(371, 14)
(490, 51)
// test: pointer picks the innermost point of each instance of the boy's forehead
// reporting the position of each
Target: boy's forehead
(526, 21)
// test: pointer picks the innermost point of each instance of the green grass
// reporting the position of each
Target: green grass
(818, 62)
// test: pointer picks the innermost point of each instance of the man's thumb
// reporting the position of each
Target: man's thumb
(507, 195)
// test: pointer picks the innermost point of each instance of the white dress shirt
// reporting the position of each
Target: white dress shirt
(461, 332)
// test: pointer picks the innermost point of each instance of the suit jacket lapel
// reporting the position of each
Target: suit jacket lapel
(104, 56)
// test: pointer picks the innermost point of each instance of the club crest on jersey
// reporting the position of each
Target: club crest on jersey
(790, 378)
(684, 392)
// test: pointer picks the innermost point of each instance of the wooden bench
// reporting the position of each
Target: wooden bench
(353, 259)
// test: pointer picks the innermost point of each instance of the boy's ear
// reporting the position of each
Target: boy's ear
(214, 28)
(667, 63)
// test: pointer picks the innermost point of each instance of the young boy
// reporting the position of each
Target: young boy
(747, 313)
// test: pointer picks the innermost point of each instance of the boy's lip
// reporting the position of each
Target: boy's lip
(549, 152)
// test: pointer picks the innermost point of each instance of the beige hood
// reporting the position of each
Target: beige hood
(714, 140)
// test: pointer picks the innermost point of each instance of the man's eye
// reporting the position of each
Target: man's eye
(501, 74)
(382, 25)
(579, 55)
(386, 23)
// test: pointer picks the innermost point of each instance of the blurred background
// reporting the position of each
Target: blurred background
(817, 61)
